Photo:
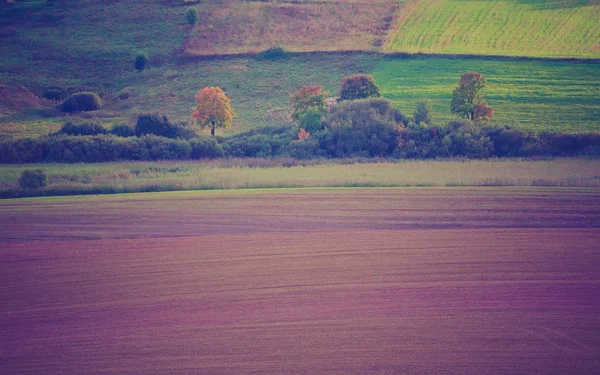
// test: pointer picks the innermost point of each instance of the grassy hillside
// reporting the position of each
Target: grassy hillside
(528, 94)
(558, 28)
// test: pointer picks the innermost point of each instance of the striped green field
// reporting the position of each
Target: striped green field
(532, 95)
(543, 28)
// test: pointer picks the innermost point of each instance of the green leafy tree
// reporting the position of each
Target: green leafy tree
(311, 120)
(423, 112)
(468, 100)
(359, 86)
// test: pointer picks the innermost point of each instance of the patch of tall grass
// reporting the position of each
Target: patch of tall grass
(65, 179)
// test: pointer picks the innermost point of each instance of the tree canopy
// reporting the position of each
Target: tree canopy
(468, 100)
(359, 86)
(308, 97)
(213, 109)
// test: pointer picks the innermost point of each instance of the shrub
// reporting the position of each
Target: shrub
(81, 102)
(272, 54)
(32, 179)
(54, 93)
(140, 62)
(205, 148)
(359, 86)
(160, 125)
(122, 130)
(423, 112)
(85, 128)
(191, 16)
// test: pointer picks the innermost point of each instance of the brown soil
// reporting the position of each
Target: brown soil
(384, 281)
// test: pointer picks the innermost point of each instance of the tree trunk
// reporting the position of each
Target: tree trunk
(212, 130)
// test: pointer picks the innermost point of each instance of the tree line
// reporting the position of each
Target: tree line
(357, 123)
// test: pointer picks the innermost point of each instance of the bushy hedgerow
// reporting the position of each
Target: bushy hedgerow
(122, 130)
(32, 179)
(205, 148)
(160, 125)
(81, 102)
(84, 128)
(104, 148)
(259, 142)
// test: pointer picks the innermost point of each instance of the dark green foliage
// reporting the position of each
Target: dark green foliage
(259, 142)
(54, 93)
(161, 126)
(191, 16)
(81, 102)
(367, 127)
(32, 179)
(305, 149)
(205, 148)
(272, 54)
(311, 120)
(359, 86)
(122, 130)
(84, 128)
(140, 62)
(423, 112)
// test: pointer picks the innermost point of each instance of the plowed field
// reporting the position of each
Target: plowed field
(331, 281)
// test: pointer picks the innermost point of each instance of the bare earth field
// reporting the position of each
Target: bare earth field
(311, 281)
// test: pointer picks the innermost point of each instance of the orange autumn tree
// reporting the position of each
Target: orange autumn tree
(213, 109)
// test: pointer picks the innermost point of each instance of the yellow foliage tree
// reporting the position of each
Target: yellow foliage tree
(213, 109)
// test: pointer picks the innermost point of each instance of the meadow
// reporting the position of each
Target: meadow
(289, 173)
(326, 281)
(532, 95)
(541, 28)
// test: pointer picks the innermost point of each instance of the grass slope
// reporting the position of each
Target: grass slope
(531, 95)
(545, 28)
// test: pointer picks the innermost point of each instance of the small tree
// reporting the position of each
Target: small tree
(312, 120)
(140, 62)
(32, 179)
(213, 109)
(192, 16)
(423, 112)
(311, 96)
(359, 86)
(468, 99)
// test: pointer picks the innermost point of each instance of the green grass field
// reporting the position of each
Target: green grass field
(531, 95)
(544, 28)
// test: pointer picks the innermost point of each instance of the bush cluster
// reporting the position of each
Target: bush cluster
(81, 102)
(160, 125)
(84, 128)
(358, 128)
